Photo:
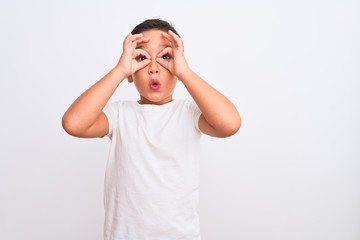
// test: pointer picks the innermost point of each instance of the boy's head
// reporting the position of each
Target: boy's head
(154, 24)
(154, 82)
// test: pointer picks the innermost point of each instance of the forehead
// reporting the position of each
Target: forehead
(156, 39)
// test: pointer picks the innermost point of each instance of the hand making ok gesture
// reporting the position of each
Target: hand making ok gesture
(128, 62)
(176, 63)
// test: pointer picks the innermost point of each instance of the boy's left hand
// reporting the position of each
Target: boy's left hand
(173, 58)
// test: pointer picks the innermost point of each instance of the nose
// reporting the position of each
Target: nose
(153, 67)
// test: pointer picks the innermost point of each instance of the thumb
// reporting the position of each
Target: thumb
(142, 64)
(165, 63)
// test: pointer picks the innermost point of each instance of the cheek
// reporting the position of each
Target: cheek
(172, 83)
(139, 75)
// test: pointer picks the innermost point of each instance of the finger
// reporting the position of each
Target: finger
(171, 36)
(167, 50)
(166, 63)
(168, 37)
(142, 40)
(134, 37)
(163, 63)
(176, 39)
(143, 64)
(132, 41)
(129, 40)
(142, 52)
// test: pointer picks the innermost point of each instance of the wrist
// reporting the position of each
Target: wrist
(184, 74)
(119, 73)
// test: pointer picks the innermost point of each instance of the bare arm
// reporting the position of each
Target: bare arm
(219, 116)
(85, 118)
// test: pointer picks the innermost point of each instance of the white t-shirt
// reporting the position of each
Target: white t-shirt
(152, 175)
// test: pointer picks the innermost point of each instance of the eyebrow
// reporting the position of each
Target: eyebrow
(140, 46)
(163, 46)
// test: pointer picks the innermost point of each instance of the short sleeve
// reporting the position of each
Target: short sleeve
(195, 112)
(111, 112)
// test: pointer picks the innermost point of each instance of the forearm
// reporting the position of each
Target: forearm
(218, 111)
(87, 107)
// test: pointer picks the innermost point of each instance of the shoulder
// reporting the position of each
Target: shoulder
(116, 105)
(190, 105)
(112, 110)
(191, 110)
(187, 103)
(121, 103)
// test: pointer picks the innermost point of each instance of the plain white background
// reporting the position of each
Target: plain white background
(292, 68)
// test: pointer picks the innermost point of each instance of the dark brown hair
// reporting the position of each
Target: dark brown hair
(151, 24)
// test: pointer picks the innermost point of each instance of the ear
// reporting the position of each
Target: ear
(130, 80)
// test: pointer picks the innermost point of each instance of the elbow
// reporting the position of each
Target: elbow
(233, 124)
(70, 126)
(232, 127)
(67, 125)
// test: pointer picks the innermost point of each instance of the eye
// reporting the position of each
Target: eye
(166, 56)
(140, 58)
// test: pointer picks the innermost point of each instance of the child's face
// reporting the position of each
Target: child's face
(154, 82)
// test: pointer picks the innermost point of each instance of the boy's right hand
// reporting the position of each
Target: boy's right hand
(129, 59)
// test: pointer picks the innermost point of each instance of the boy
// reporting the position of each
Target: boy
(151, 182)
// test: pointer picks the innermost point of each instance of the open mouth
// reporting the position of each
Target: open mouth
(154, 84)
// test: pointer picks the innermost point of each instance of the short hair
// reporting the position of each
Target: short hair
(151, 24)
